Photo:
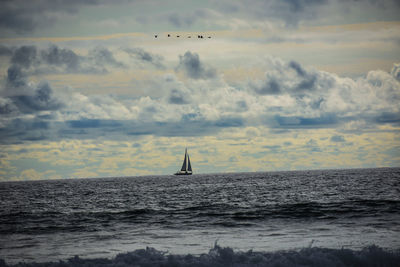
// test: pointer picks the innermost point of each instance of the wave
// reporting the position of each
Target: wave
(34, 222)
(226, 256)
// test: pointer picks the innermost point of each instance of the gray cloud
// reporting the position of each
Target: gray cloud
(22, 97)
(396, 71)
(295, 12)
(19, 130)
(307, 84)
(281, 80)
(102, 56)
(308, 80)
(144, 56)
(193, 68)
(297, 67)
(185, 127)
(15, 77)
(25, 16)
(387, 118)
(178, 97)
(299, 122)
(61, 56)
(5, 51)
(291, 12)
(270, 87)
(22, 17)
(62, 60)
(42, 99)
(24, 56)
(18, 96)
(54, 59)
(7, 106)
(337, 138)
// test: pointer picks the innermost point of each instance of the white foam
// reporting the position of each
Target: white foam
(219, 256)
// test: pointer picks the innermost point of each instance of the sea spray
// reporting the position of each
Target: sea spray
(226, 256)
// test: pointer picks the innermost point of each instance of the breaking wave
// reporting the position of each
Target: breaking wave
(225, 256)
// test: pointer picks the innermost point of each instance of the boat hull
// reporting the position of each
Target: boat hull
(183, 173)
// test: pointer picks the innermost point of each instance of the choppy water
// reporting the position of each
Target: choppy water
(100, 218)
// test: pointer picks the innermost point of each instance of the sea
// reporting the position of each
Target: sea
(292, 218)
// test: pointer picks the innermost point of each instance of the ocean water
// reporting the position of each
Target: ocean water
(311, 218)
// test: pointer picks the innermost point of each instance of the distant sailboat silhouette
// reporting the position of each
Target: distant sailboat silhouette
(186, 167)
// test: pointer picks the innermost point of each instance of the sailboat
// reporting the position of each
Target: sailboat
(186, 167)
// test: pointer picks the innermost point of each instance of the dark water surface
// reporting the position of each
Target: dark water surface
(99, 218)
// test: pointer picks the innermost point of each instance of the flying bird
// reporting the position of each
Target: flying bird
(198, 36)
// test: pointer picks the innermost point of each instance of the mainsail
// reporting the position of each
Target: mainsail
(186, 167)
(189, 166)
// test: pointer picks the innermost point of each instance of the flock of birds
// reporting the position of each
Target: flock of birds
(198, 36)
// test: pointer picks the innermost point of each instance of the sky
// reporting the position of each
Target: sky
(87, 90)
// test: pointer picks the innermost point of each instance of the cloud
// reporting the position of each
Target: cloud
(23, 17)
(93, 123)
(143, 56)
(291, 78)
(337, 138)
(102, 56)
(322, 121)
(20, 18)
(99, 60)
(299, 69)
(7, 106)
(292, 13)
(23, 97)
(62, 60)
(178, 97)
(396, 71)
(41, 100)
(388, 118)
(269, 87)
(201, 106)
(190, 64)
(19, 96)
(35, 60)
(15, 77)
(5, 51)
(289, 12)
(24, 56)
(61, 57)
(29, 129)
